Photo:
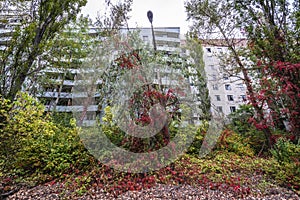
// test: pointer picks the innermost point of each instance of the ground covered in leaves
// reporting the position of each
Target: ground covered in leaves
(223, 175)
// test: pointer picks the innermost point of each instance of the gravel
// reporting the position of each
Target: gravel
(159, 191)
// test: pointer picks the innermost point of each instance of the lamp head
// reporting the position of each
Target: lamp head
(150, 16)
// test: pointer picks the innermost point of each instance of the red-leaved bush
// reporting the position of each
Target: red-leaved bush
(279, 98)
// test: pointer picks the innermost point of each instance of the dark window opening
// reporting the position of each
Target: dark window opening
(232, 108)
(227, 87)
(230, 97)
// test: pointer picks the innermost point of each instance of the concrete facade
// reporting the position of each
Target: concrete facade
(226, 93)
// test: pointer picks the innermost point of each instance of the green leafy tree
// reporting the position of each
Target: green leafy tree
(273, 34)
(114, 17)
(32, 144)
(271, 30)
(70, 48)
(131, 53)
(32, 39)
(197, 74)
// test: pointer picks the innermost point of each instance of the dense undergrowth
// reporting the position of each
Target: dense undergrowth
(37, 149)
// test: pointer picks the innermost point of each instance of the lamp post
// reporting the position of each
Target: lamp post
(150, 17)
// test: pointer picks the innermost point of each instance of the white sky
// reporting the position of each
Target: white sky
(166, 13)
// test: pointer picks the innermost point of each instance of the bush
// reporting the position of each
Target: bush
(195, 147)
(240, 124)
(286, 151)
(32, 143)
(234, 142)
(62, 118)
(239, 119)
(131, 143)
(114, 134)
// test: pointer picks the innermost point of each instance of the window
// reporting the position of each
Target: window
(219, 109)
(145, 38)
(241, 86)
(244, 97)
(62, 102)
(90, 116)
(67, 88)
(230, 97)
(214, 77)
(232, 109)
(218, 98)
(212, 67)
(70, 76)
(209, 52)
(156, 75)
(227, 87)
(215, 87)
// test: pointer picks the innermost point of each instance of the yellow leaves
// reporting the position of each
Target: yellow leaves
(31, 143)
(108, 115)
(73, 122)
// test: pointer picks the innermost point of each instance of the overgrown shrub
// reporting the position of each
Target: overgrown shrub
(62, 118)
(234, 142)
(32, 143)
(134, 144)
(239, 119)
(115, 134)
(286, 151)
(198, 140)
(240, 124)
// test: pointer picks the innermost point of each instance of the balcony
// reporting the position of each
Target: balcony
(91, 108)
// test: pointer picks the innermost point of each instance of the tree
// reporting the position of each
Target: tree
(115, 16)
(196, 72)
(273, 39)
(133, 54)
(270, 34)
(132, 86)
(271, 28)
(70, 48)
(32, 39)
(215, 24)
(31, 143)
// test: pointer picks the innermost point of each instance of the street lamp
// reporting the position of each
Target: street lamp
(150, 17)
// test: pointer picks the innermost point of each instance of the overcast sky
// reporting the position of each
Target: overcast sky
(166, 13)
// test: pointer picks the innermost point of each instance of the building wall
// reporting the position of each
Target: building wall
(167, 38)
(226, 93)
(10, 17)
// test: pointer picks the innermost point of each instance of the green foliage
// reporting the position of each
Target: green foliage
(197, 143)
(112, 131)
(63, 119)
(134, 144)
(286, 151)
(32, 39)
(271, 29)
(286, 174)
(33, 144)
(256, 139)
(233, 142)
(239, 119)
(5, 144)
(239, 123)
(196, 71)
(115, 17)
(267, 43)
